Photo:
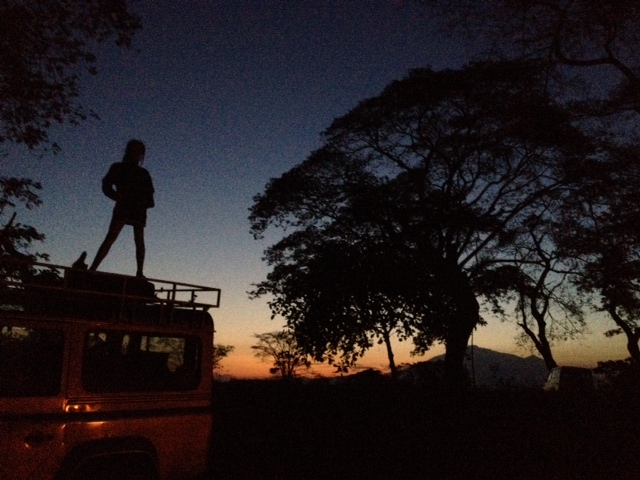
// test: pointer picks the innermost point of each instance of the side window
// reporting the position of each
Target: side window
(122, 361)
(30, 361)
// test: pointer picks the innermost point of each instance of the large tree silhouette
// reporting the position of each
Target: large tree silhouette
(601, 229)
(471, 154)
(598, 43)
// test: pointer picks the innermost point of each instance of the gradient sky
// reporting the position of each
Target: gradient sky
(226, 95)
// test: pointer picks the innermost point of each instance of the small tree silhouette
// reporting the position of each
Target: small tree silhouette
(220, 352)
(282, 348)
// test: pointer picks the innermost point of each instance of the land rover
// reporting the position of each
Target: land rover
(103, 376)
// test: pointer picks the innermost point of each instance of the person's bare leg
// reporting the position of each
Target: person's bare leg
(138, 236)
(114, 230)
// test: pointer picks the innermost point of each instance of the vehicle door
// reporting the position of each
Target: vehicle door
(33, 360)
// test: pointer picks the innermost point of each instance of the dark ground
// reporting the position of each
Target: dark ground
(381, 430)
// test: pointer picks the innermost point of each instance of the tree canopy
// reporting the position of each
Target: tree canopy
(596, 40)
(600, 229)
(283, 350)
(17, 239)
(220, 352)
(436, 170)
(45, 48)
(597, 46)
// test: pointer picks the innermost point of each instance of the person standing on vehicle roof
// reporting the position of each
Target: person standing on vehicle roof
(130, 186)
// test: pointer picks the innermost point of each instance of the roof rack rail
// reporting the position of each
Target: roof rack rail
(40, 280)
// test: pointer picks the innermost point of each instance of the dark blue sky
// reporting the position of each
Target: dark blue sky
(226, 95)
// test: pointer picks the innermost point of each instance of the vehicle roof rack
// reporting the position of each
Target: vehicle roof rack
(56, 289)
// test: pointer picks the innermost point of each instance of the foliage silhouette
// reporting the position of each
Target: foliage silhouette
(17, 239)
(220, 352)
(598, 44)
(45, 48)
(281, 347)
(600, 229)
(435, 170)
(536, 288)
(597, 41)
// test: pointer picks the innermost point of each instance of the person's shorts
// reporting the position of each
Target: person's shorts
(130, 214)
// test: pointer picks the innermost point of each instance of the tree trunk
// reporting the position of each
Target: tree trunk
(632, 347)
(456, 343)
(633, 335)
(543, 347)
(460, 328)
(540, 341)
(392, 362)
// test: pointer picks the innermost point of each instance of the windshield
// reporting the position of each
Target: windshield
(30, 361)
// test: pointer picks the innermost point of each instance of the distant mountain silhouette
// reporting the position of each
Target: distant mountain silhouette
(495, 369)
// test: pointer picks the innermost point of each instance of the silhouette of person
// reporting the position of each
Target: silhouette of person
(130, 186)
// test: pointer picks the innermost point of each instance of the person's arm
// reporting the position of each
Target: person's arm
(108, 182)
(149, 192)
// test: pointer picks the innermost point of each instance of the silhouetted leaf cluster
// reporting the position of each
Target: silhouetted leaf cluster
(282, 349)
(16, 239)
(45, 48)
(596, 41)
